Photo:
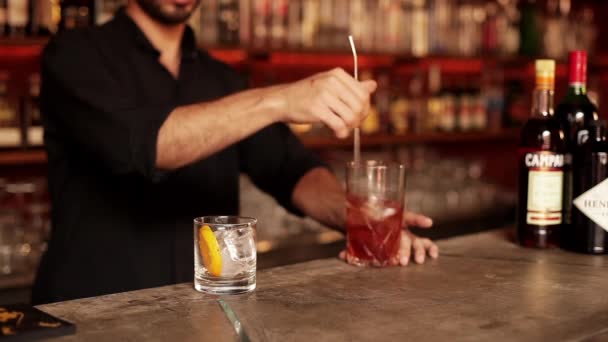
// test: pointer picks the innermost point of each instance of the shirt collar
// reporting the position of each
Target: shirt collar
(188, 44)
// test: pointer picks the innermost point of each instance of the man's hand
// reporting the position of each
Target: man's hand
(334, 98)
(412, 246)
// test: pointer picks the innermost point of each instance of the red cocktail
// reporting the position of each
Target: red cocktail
(375, 194)
(373, 230)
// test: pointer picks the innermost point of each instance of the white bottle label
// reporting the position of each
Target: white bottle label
(594, 204)
(545, 197)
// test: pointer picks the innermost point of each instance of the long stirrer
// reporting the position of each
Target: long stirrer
(357, 136)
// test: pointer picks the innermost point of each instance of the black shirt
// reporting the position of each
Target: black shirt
(118, 223)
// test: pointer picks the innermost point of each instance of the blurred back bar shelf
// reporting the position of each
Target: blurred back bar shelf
(14, 157)
(33, 46)
(455, 78)
(37, 156)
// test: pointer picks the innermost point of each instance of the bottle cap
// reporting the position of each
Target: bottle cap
(577, 67)
(545, 74)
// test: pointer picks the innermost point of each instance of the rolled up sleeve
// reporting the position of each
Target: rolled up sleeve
(88, 110)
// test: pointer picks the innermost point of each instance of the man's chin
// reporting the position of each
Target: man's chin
(184, 3)
(173, 18)
(170, 15)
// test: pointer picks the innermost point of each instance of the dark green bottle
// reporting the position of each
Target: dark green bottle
(576, 113)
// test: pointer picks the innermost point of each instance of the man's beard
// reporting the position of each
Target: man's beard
(155, 9)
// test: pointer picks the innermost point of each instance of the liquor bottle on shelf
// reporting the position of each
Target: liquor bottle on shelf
(576, 113)
(356, 19)
(493, 97)
(382, 99)
(3, 17)
(508, 34)
(529, 29)
(447, 121)
(245, 22)
(554, 31)
(468, 36)
(440, 20)
(465, 108)
(479, 113)
(17, 17)
(294, 25)
(398, 111)
(10, 135)
(228, 21)
(278, 24)
(588, 232)
(419, 28)
(586, 31)
(405, 31)
(416, 108)
(341, 23)
(76, 14)
(208, 36)
(490, 30)
(390, 24)
(368, 21)
(465, 112)
(261, 16)
(41, 21)
(32, 121)
(541, 163)
(326, 24)
(434, 102)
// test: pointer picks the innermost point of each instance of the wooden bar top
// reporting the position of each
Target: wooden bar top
(482, 288)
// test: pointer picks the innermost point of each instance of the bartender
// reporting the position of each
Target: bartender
(144, 132)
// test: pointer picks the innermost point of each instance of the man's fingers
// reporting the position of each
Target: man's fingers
(342, 110)
(431, 248)
(360, 89)
(419, 251)
(411, 246)
(416, 220)
(370, 85)
(345, 94)
(334, 122)
(405, 249)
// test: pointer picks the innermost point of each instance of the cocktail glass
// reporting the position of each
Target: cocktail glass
(375, 195)
(224, 254)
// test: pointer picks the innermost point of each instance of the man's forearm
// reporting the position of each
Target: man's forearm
(319, 195)
(194, 132)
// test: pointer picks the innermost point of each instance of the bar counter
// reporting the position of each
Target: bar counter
(482, 288)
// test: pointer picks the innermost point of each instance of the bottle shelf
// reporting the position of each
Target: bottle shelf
(437, 138)
(21, 48)
(9, 157)
(515, 67)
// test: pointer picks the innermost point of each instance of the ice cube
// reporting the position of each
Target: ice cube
(375, 210)
(238, 251)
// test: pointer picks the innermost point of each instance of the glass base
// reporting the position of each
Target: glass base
(224, 287)
(371, 263)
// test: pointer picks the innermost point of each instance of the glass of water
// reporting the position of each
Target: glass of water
(224, 254)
